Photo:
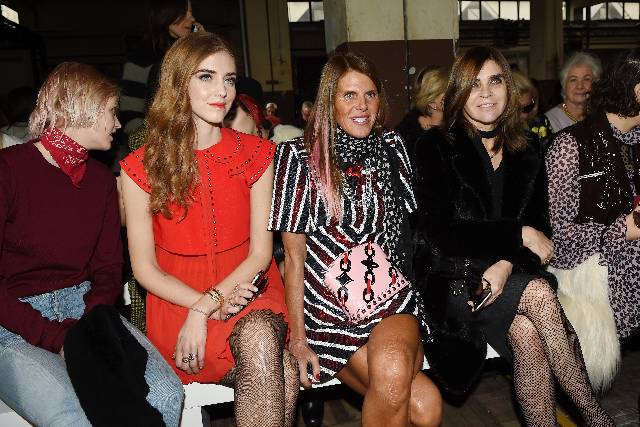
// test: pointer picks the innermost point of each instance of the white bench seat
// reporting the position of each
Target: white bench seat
(8, 418)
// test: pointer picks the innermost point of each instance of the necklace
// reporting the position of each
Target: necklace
(564, 108)
(488, 134)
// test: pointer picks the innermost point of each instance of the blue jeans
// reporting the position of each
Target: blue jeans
(34, 381)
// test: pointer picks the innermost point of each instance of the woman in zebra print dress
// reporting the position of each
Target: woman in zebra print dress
(346, 182)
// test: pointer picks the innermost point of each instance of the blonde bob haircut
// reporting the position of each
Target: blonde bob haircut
(74, 95)
(169, 158)
(431, 85)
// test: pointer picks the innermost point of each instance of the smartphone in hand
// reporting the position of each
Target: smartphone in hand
(479, 296)
(260, 281)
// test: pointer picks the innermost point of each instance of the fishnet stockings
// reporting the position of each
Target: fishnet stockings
(546, 346)
(532, 374)
(265, 378)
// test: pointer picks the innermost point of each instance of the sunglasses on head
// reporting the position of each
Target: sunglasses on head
(529, 107)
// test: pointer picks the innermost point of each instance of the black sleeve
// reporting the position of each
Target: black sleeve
(536, 213)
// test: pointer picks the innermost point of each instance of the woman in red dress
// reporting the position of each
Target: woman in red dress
(197, 200)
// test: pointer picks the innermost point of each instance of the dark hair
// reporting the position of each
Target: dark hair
(163, 13)
(319, 134)
(251, 87)
(614, 92)
(249, 106)
(464, 72)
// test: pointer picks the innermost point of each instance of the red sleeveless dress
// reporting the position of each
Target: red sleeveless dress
(208, 244)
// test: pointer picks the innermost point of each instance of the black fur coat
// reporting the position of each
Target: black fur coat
(454, 222)
(454, 201)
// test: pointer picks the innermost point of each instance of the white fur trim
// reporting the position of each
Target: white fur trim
(584, 294)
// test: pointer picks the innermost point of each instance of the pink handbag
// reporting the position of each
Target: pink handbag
(362, 279)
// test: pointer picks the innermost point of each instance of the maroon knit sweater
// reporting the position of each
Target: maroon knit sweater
(52, 236)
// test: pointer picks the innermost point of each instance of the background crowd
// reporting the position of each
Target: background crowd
(499, 222)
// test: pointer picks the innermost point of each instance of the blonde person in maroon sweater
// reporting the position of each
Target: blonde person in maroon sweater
(60, 248)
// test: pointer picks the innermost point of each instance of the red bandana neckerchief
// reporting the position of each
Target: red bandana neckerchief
(68, 154)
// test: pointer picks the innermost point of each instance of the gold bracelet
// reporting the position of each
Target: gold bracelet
(197, 310)
(215, 295)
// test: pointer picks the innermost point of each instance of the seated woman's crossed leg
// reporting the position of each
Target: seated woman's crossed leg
(260, 375)
(387, 371)
(545, 346)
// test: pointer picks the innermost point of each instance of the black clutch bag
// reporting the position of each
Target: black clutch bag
(458, 349)
(465, 275)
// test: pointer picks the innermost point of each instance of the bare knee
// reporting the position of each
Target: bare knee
(391, 372)
(426, 404)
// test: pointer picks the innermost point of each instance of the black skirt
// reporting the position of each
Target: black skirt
(495, 319)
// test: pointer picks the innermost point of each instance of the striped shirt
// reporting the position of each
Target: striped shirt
(298, 207)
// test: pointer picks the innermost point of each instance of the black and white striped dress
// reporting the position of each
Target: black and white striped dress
(372, 211)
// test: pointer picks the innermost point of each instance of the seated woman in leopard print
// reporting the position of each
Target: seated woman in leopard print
(592, 184)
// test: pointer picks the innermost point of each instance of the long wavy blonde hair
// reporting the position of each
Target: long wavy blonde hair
(169, 158)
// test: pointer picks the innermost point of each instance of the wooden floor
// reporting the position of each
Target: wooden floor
(490, 404)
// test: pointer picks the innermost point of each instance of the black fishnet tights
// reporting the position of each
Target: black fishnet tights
(545, 346)
(265, 377)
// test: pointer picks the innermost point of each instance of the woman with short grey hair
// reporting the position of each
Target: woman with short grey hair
(576, 77)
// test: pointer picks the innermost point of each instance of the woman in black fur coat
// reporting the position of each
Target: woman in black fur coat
(484, 217)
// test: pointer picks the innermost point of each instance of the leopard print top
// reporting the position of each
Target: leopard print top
(575, 242)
